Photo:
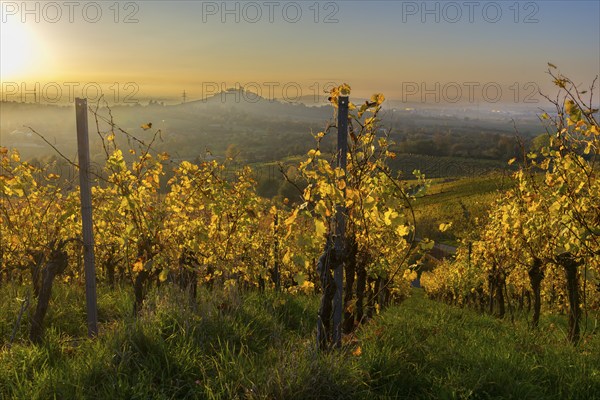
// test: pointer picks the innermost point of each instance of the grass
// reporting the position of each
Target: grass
(446, 200)
(261, 346)
(455, 353)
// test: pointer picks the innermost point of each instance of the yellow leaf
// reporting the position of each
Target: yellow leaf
(307, 194)
(357, 352)
(378, 98)
(569, 105)
(427, 244)
(163, 275)
(138, 266)
(389, 216)
(321, 209)
(445, 227)
(320, 228)
(402, 230)
(291, 218)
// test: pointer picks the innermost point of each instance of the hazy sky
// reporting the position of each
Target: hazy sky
(400, 48)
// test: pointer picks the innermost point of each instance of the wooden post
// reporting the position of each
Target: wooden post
(340, 224)
(276, 275)
(83, 149)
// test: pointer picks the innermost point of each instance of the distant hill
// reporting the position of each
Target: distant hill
(245, 101)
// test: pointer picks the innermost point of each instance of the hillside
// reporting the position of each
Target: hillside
(262, 346)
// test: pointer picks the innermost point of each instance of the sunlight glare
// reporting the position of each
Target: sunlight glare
(19, 50)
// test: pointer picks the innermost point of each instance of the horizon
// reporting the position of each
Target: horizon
(241, 95)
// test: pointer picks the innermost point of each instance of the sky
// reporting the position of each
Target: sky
(432, 51)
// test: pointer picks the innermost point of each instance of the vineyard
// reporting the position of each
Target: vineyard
(539, 244)
(205, 227)
(219, 250)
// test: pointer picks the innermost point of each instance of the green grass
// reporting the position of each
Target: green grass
(445, 352)
(261, 346)
(444, 201)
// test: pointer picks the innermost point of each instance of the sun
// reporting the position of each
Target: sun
(18, 48)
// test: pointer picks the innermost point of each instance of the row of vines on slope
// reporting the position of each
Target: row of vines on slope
(206, 225)
(540, 245)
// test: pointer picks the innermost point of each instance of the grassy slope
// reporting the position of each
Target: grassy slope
(443, 199)
(262, 347)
